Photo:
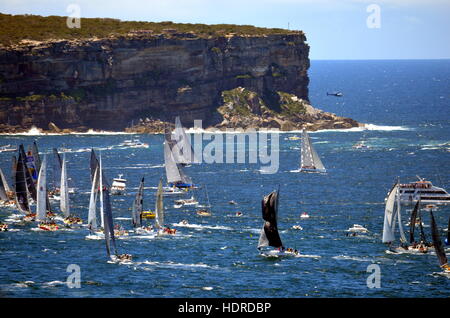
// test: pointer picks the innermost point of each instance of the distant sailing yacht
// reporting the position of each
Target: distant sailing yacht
(310, 161)
(176, 178)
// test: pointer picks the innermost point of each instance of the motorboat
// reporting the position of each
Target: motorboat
(424, 191)
(118, 186)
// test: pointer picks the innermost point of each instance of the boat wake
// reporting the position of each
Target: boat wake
(200, 227)
(170, 264)
(352, 258)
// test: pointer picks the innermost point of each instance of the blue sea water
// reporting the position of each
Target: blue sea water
(407, 105)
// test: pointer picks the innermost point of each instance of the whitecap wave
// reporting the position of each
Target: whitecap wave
(352, 258)
(199, 226)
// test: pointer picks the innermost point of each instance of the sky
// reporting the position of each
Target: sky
(335, 29)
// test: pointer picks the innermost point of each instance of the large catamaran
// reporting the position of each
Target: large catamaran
(310, 161)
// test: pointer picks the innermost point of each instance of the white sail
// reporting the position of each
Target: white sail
(182, 148)
(389, 216)
(263, 241)
(64, 190)
(172, 172)
(159, 207)
(102, 219)
(41, 205)
(92, 217)
(5, 182)
(310, 160)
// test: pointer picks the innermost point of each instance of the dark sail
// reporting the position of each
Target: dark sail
(438, 246)
(422, 232)
(58, 157)
(137, 206)
(412, 222)
(37, 158)
(269, 214)
(109, 224)
(448, 231)
(28, 178)
(20, 185)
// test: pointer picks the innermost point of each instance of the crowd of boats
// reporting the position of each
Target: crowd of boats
(31, 188)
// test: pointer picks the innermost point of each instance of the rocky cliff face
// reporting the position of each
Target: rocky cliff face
(108, 83)
(112, 82)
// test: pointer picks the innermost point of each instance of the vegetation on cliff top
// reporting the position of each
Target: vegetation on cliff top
(38, 28)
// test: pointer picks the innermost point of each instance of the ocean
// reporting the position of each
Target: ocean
(405, 105)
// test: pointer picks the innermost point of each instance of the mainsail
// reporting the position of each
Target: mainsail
(28, 177)
(438, 246)
(92, 217)
(136, 212)
(20, 185)
(5, 182)
(181, 145)
(269, 233)
(41, 205)
(174, 172)
(36, 157)
(64, 202)
(109, 224)
(310, 160)
(3, 186)
(389, 216)
(159, 207)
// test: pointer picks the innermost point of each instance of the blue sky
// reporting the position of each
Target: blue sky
(335, 29)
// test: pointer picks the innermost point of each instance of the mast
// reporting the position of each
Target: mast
(136, 212)
(159, 207)
(64, 203)
(438, 246)
(269, 233)
(41, 205)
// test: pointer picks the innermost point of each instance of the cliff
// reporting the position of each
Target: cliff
(110, 82)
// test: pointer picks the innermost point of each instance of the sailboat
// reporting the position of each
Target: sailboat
(392, 215)
(22, 195)
(310, 161)
(105, 207)
(438, 246)
(45, 222)
(422, 246)
(205, 210)
(138, 213)
(176, 178)
(28, 177)
(269, 235)
(159, 213)
(180, 145)
(69, 219)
